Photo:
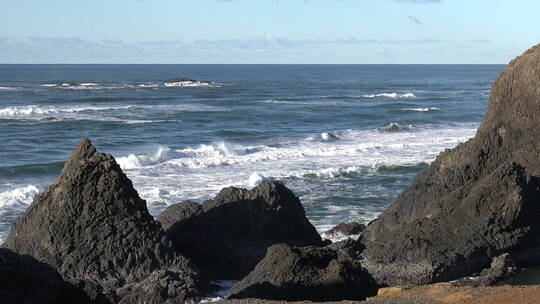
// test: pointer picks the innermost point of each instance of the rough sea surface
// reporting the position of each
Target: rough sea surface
(346, 138)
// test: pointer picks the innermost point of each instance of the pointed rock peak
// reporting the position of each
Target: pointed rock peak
(84, 150)
(91, 225)
(79, 156)
(85, 160)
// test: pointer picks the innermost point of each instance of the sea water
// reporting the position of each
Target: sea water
(347, 139)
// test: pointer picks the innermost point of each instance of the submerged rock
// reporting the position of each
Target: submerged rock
(229, 235)
(306, 273)
(474, 202)
(23, 279)
(92, 226)
(344, 230)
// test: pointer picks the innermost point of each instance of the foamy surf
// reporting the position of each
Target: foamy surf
(341, 142)
(89, 112)
(422, 109)
(198, 173)
(13, 201)
(10, 89)
(187, 82)
(393, 95)
(18, 198)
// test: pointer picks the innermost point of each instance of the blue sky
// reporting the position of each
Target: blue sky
(266, 31)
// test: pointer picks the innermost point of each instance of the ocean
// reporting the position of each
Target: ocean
(347, 139)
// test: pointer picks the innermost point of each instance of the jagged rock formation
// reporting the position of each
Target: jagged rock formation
(92, 226)
(230, 234)
(23, 279)
(474, 202)
(307, 273)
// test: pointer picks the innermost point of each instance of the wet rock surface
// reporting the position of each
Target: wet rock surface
(230, 234)
(344, 230)
(92, 226)
(474, 202)
(307, 273)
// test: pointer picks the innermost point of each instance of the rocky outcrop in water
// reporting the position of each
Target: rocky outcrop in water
(92, 226)
(307, 273)
(230, 234)
(23, 279)
(475, 202)
(344, 230)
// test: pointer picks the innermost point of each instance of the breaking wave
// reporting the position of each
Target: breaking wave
(421, 109)
(18, 198)
(11, 89)
(391, 95)
(87, 112)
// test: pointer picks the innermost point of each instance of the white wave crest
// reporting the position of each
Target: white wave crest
(18, 198)
(325, 136)
(148, 85)
(256, 178)
(356, 148)
(392, 127)
(421, 109)
(11, 89)
(334, 172)
(199, 172)
(393, 95)
(89, 112)
(136, 161)
(191, 83)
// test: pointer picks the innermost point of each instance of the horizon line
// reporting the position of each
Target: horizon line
(253, 63)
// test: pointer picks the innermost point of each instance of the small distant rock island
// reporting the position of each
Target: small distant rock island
(466, 222)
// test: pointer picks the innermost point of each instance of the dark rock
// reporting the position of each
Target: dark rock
(161, 287)
(229, 235)
(306, 273)
(474, 202)
(92, 226)
(67, 84)
(344, 230)
(24, 280)
(501, 267)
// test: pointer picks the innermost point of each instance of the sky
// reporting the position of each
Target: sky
(267, 31)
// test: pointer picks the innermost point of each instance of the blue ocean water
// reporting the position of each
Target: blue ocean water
(346, 138)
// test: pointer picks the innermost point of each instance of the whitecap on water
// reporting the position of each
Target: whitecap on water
(17, 197)
(256, 178)
(13, 201)
(136, 161)
(422, 109)
(393, 95)
(392, 127)
(11, 89)
(88, 112)
(198, 173)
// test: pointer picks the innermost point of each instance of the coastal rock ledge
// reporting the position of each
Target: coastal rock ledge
(475, 203)
(93, 228)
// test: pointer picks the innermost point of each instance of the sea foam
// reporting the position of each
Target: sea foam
(199, 172)
(393, 95)
(18, 198)
(89, 112)
(422, 109)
